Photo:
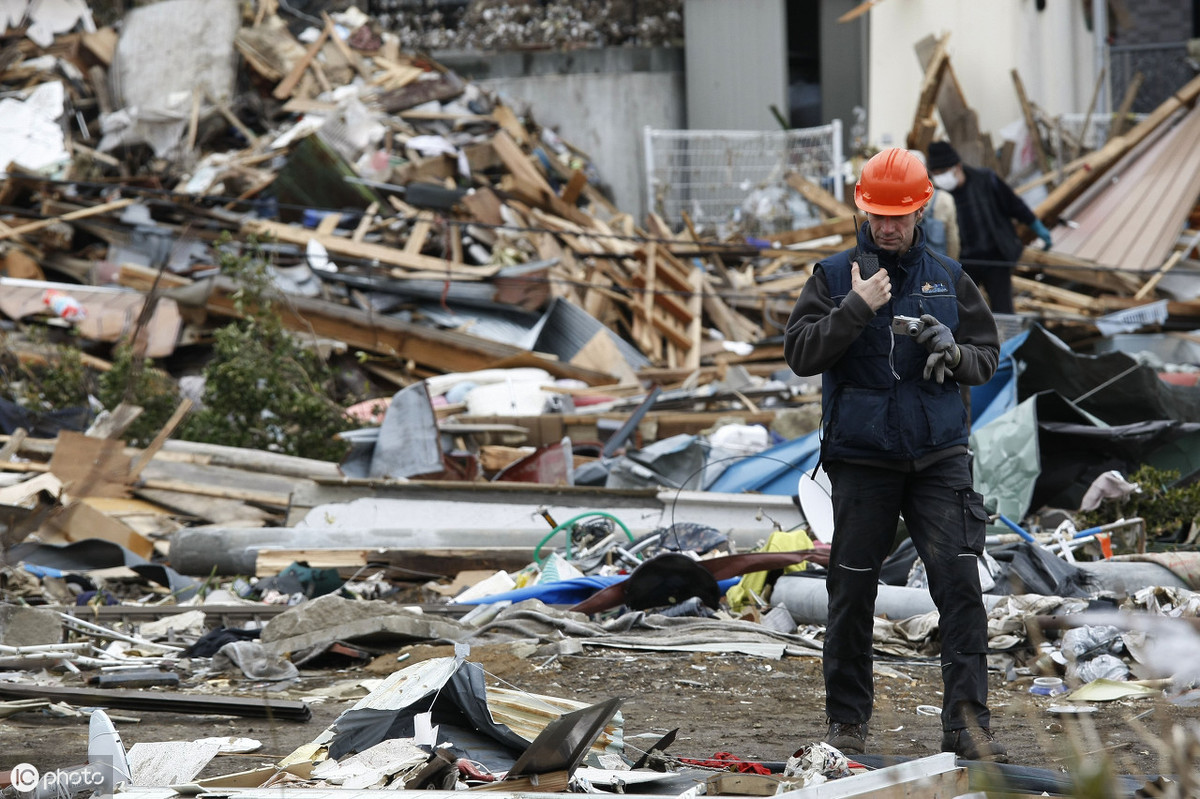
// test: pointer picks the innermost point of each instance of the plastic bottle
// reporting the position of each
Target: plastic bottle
(63, 305)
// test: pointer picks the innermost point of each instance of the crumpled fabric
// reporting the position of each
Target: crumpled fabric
(253, 660)
(1109, 485)
(726, 761)
(533, 619)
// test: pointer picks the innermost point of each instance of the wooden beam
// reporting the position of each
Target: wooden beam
(1035, 135)
(82, 213)
(1121, 116)
(352, 57)
(1100, 161)
(366, 251)
(288, 85)
(828, 204)
(441, 350)
(1087, 118)
(923, 123)
(154, 446)
(1170, 263)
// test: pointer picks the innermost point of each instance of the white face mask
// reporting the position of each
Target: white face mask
(946, 181)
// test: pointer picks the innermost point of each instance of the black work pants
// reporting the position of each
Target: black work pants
(945, 518)
(994, 276)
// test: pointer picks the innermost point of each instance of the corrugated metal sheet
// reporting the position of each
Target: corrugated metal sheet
(1135, 221)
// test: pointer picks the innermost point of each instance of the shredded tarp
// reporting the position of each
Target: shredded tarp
(1046, 452)
(1113, 386)
(452, 692)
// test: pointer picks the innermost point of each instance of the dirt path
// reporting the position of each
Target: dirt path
(752, 708)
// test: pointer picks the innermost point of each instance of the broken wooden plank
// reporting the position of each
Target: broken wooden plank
(824, 201)
(1099, 161)
(164, 433)
(1167, 266)
(1035, 136)
(442, 350)
(959, 119)
(923, 122)
(81, 213)
(288, 85)
(366, 251)
(1121, 116)
(204, 704)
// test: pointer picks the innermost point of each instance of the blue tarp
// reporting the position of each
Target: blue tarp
(569, 592)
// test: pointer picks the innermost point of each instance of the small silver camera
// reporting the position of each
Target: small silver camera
(907, 325)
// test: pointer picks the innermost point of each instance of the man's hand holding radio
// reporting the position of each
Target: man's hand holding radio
(944, 353)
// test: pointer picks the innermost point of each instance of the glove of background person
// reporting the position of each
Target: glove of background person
(944, 353)
(1042, 233)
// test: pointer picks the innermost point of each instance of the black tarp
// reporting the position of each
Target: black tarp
(459, 710)
(1075, 452)
(1113, 386)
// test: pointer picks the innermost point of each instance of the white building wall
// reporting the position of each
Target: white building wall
(1052, 51)
(736, 63)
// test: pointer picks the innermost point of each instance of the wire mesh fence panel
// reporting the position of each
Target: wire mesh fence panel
(1098, 132)
(726, 178)
(1165, 67)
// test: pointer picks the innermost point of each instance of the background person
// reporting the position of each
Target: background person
(894, 440)
(986, 208)
(940, 221)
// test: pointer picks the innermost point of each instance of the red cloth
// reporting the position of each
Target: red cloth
(729, 762)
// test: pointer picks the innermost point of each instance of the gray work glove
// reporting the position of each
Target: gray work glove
(943, 351)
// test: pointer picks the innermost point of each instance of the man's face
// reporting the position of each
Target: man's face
(894, 233)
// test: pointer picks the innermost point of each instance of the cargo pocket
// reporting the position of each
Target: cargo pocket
(975, 519)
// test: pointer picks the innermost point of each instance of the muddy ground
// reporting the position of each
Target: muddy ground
(753, 708)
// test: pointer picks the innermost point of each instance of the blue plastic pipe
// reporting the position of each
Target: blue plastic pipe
(1016, 528)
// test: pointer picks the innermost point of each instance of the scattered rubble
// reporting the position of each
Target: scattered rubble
(565, 432)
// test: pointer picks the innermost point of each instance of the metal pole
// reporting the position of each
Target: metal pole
(648, 167)
(1100, 32)
(839, 181)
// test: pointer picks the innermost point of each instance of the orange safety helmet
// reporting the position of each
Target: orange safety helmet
(893, 183)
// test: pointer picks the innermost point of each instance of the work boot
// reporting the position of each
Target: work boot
(849, 739)
(976, 743)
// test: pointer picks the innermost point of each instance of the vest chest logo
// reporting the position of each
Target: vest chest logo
(934, 288)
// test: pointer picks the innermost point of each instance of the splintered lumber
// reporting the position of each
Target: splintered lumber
(366, 251)
(82, 213)
(288, 85)
(828, 204)
(839, 226)
(1170, 263)
(924, 123)
(420, 563)
(442, 350)
(161, 438)
(960, 120)
(1098, 162)
(1035, 136)
(1078, 270)
(1080, 303)
(527, 182)
(1121, 116)
(206, 704)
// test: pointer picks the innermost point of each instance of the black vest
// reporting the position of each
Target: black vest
(877, 404)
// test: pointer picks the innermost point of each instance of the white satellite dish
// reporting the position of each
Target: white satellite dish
(817, 504)
(106, 753)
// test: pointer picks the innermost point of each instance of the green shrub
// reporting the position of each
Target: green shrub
(1169, 510)
(263, 390)
(138, 382)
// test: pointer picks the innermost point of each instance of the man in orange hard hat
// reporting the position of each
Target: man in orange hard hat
(895, 329)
